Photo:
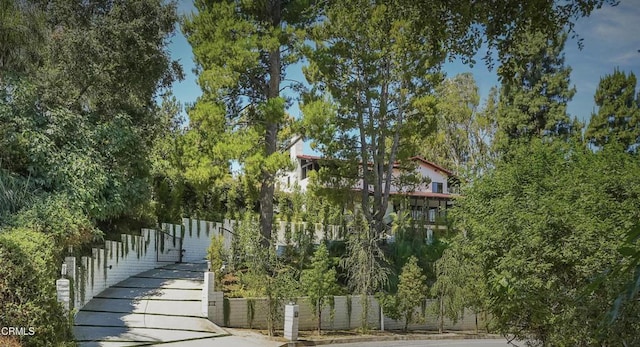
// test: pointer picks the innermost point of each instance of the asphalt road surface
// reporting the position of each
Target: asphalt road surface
(430, 343)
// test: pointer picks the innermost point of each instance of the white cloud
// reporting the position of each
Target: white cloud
(612, 24)
(626, 59)
(611, 39)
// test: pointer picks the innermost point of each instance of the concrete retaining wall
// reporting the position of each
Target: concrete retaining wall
(133, 254)
(117, 261)
(347, 315)
(197, 235)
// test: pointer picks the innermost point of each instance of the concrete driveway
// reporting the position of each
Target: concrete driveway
(159, 306)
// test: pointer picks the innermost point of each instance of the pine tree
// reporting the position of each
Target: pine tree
(319, 282)
(373, 85)
(535, 90)
(242, 49)
(412, 290)
(618, 117)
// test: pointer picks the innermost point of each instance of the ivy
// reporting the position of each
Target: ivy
(226, 311)
(349, 308)
(251, 311)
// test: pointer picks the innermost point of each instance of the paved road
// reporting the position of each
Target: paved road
(429, 343)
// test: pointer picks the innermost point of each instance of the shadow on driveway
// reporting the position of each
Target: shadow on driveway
(157, 306)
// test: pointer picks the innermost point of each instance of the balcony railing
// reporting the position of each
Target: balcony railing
(432, 217)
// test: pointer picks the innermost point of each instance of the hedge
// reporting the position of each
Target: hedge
(30, 265)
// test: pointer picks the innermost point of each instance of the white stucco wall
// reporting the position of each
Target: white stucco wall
(117, 261)
(346, 316)
(427, 171)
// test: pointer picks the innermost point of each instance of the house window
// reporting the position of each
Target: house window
(437, 187)
(308, 166)
(432, 215)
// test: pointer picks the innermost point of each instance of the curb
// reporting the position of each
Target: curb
(389, 338)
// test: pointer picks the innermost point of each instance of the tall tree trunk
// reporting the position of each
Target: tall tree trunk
(266, 207)
(267, 188)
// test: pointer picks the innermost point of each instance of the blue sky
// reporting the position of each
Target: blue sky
(611, 40)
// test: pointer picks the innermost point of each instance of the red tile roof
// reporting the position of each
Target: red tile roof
(427, 195)
(308, 157)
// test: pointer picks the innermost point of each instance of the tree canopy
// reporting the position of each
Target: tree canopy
(543, 226)
(78, 118)
(464, 130)
(618, 118)
(373, 89)
(535, 92)
(242, 49)
(88, 146)
(78, 115)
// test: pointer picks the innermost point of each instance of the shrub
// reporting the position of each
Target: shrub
(15, 193)
(27, 287)
(59, 216)
(216, 254)
(9, 341)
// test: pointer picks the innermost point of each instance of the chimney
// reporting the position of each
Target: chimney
(297, 148)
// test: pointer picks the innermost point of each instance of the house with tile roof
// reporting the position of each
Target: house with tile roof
(426, 202)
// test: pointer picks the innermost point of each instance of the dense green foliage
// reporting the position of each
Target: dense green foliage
(618, 117)
(78, 118)
(262, 273)
(499, 24)
(30, 263)
(86, 148)
(217, 255)
(372, 94)
(177, 191)
(541, 227)
(411, 240)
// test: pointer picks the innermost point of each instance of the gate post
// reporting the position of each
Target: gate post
(291, 312)
(63, 289)
(212, 301)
